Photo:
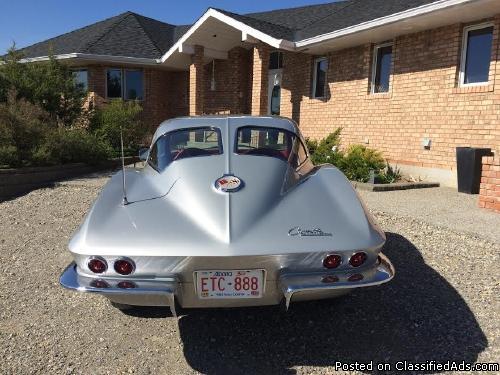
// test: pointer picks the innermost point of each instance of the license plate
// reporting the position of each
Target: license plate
(230, 284)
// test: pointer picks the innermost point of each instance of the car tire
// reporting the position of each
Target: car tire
(121, 306)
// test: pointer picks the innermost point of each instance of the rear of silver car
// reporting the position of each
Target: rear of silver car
(244, 220)
(286, 278)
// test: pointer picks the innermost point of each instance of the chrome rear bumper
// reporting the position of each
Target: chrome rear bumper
(157, 292)
(166, 291)
(313, 285)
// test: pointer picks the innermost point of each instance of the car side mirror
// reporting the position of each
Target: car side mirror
(144, 154)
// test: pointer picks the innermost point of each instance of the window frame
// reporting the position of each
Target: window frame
(124, 78)
(197, 128)
(257, 127)
(123, 82)
(82, 69)
(463, 53)
(315, 76)
(281, 57)
(374, 68)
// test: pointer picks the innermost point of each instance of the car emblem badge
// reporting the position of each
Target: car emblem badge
(228, 183)
(301, 232)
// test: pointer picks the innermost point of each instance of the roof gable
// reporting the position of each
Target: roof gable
(127, 34)
(135, 36)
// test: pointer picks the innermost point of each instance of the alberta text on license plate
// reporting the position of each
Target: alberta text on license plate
(230, 284)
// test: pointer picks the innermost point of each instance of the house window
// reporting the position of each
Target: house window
(275, 100)
(276, 60)
(382, 61)
(319, 77)
(114, 83)
(81, 79)
(126, 84)
(133, 85)
(476, 54)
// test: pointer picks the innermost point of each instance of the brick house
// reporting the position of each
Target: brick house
(411, 78)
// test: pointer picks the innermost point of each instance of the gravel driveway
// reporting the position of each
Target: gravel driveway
(443, 305)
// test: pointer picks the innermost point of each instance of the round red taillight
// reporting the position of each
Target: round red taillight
(332, 261)
(124, 266)
(126, 285)
(357, 259)
(97, 265)
(99, 284)
(355, 277)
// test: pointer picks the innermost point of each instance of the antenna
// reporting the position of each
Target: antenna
(124, 201)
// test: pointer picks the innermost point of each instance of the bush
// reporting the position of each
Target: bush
(62, 146)
(357, 162)
(389, 175)
(48, 84)
(107, 122)
(327, 150)
(22, 128)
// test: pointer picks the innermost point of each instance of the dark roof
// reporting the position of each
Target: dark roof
(273, 29)
(298, 18)
(355, 12)
(130, 34)
(306, 22)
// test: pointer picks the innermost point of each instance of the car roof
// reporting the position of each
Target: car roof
(215, 121)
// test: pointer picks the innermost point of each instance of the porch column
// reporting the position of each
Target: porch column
(196, 82)
(260, 67)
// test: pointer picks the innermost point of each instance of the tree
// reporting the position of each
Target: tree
(49, 84)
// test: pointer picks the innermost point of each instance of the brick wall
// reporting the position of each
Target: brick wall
(260, 64)
(423, 102)
(489, 193)
(230, 95)
(165, 93)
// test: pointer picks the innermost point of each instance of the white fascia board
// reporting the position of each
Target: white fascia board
(247, 30)
(186, 48)
(400, 16)
(93, 57)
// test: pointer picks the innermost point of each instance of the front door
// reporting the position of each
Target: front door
(274, 92)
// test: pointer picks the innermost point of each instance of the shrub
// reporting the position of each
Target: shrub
(327, 150)
(107, 122)
(359, 161)
(22, 128)
(389, 175)
(62, 146)
(49, 84)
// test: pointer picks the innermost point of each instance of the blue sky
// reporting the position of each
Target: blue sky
(30, 21)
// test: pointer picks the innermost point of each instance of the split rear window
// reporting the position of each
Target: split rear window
(207, 141)
(185, 143)
(265, 142)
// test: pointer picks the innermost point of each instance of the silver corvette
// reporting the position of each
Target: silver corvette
(227, 212)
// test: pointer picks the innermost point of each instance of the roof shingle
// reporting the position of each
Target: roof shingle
(130, 34)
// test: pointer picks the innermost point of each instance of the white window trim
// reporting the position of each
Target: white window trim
(374, 68)
(124, 83)
(315, 77)
(463, 55)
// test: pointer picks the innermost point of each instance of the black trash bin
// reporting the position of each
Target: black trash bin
(469, 162)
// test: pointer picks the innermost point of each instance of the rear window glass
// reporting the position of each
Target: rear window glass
(185, 143)
(265, 142)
